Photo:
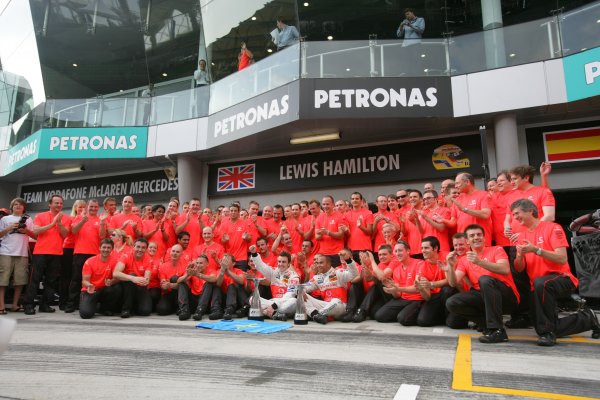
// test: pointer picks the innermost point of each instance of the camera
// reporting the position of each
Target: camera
(22, 223)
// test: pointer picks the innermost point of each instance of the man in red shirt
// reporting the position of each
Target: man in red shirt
(406, 299)
(542, 251)
(235, 237)
(381, 217)
(360, 226)
(134, 270)
(432, 219)
(192, 222)
(231, 280)
(493, 291)
(330, 230)
(127, 220)
(155, 229)
(110, 208)
(171, 274)
(472, 206)
(412, 227)
(51, 228)
(97, 283)
(89, 228)
(377, 273)
(210, 248)
(199, 292)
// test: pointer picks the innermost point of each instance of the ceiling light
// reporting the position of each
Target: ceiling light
(598, 21)
(584, 49)
(329, 37)
(164, 74)
(423, 55)
(253, 18)
(269, 50)
(305, 4)
(511, 55)
(347, 69)
(68, 170)
(212, 63)
(316, 138)
(426, 70)
(75, 65)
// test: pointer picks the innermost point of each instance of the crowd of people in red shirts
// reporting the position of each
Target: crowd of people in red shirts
(459, 257)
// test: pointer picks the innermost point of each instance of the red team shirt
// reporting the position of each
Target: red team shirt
(548, 236)
(358, 240)
(50, 242)
(328, 244)
(134, 266)
(236, 245)
(88, 238)
(98, 270)
(117, 221)
(405, 276)
(474, 272)
(477, 200)
(429, 230)
(539, 195)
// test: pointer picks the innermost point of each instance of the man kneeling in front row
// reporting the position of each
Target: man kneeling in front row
(493, 292)
(98, 286)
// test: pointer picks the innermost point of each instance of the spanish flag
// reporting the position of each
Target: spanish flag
(576, 145)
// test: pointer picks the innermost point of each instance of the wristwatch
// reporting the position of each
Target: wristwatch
(539, 251)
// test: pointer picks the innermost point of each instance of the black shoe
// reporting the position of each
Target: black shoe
(198, 314)
(125, 314)
(46, 309)
(216, 314)
(360, 316)
(518, 322)
(320, 318)
(594, 324)
(228, 315)
(69, 308)
(494, 336)
(242, 312)
(348, 316)
(184, 314)
(62, 307)
(547, 340)
(29, 310)
(279, 317)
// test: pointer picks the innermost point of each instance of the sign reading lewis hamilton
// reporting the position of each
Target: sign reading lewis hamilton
(432, 159)
(376, 97)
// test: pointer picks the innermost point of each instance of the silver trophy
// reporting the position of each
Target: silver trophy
(300, 318)
(255, 313)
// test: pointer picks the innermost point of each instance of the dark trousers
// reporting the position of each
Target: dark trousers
(484, 307)
(374, 300)
(169, 301)
(155, 294)
(453, 320)
(75, 284)
(356, 295)
(136, 299)
(236, 297)
(64, 280)
(401, 310)
(46, 268)
(211, 298)
(108, 298)
(521, 282)
(242, 264)
(544, 312)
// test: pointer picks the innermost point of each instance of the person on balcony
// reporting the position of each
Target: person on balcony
(245, 58)
(412, 28)
(288, 34)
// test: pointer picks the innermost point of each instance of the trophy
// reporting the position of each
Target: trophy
(255, 313)
(300, 318)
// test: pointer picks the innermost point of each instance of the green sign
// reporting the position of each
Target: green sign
(582, 74)
(78, 143)
(118, 142)
(23, 153)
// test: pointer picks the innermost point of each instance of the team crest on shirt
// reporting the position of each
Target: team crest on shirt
(540, 240)
(333, 278)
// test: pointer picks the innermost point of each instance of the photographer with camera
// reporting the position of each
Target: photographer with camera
(15, 231)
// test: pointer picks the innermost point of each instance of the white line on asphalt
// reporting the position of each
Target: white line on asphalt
(438, 330)
(407, 392)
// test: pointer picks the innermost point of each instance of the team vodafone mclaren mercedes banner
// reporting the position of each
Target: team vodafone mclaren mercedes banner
(376, 97)
(434, 159)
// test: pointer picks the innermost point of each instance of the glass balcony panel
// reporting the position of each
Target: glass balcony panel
(580, 29)
(274, 71)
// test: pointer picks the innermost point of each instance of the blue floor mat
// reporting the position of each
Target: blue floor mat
(244, 325)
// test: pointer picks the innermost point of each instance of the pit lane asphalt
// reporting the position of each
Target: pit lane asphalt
(59, 355)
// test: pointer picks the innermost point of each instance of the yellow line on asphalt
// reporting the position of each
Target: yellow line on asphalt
(462, 377)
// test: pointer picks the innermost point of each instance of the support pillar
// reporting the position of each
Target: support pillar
(506, 141)
(189, 174)
(495, 51)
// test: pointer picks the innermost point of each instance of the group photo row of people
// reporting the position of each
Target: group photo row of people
(460, 257)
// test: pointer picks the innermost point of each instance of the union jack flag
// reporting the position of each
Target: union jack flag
(236, 177)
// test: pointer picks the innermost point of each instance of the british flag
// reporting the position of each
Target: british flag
(236, 177)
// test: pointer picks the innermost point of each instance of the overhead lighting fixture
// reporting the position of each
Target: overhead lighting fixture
(75, 65)
(306, 4)
(329, 37)
(598, 21)
(512, 55)
(423, 55)
(253, 18)
(584, 49)
(164, 74)
(347, 69)
(324, 137)
(120, 90)
(269, 50)
(68, 170)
